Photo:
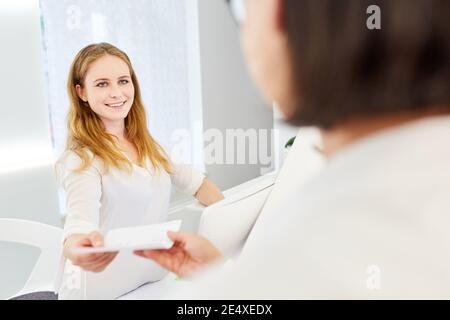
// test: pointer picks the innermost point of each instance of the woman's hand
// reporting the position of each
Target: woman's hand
(95, 262)
(188, 254)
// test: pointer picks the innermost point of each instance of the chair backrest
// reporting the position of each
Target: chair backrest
(45, 237)
(228, 223)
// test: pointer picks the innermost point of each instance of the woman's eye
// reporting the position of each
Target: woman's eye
(123, 81)
(101, 84)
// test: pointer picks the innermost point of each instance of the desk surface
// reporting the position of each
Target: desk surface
(155, 290)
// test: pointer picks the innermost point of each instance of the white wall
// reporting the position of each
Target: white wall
(27, 187)
(229, 98)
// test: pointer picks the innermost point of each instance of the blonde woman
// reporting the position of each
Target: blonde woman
(114, 174)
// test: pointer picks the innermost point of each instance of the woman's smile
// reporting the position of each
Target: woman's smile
(116, 105)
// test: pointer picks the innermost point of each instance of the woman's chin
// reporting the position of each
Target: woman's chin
(116, 113)
(115, 116)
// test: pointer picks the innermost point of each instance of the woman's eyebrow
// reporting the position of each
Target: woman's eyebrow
(101, 79)
(106, 79)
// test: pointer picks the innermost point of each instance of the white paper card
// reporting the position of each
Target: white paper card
(152, 236)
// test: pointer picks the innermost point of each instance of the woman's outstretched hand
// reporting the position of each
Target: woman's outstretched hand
(189, 253)
(95, 262)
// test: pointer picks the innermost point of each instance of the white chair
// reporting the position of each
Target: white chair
(45, 237)
(228, 223)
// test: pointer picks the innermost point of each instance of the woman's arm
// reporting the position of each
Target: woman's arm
(83, 191)
(208, 193)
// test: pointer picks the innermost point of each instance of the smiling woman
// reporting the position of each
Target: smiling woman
(114, 174)
(163, 51)
(102, 88)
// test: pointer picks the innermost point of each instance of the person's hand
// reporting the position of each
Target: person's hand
(188, 254)
(95, 262)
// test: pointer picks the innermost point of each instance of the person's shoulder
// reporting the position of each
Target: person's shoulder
(68, 158)
(71, 160)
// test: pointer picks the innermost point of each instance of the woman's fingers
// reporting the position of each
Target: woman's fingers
(85, 242)
(96, 239)
(103, 259)
(103, 263)
(90, 260)
(97, 263)
(82, 259)
(93, 261)
(87, 258)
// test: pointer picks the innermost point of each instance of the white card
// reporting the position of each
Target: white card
(153, 236)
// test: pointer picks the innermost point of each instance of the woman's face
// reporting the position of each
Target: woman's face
(108, 88)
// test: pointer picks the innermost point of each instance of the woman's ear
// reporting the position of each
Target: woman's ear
(80, 93)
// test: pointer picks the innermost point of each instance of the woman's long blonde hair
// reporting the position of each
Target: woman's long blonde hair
(85, 128)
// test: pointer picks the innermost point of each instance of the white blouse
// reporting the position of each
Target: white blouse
(99, 201)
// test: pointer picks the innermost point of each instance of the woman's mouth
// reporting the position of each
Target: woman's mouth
(115, 105)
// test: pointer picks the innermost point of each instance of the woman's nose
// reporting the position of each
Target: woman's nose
(115, 91)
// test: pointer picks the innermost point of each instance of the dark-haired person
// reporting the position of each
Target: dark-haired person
(374, 223)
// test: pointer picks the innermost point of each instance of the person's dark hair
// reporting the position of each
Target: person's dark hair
(344, 70)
